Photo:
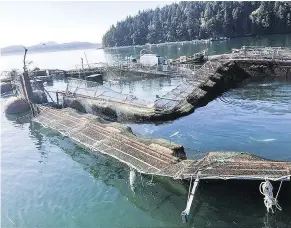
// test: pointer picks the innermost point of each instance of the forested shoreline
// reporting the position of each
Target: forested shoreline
(186, 21)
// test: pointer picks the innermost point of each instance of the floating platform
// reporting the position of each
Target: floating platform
(158, 156)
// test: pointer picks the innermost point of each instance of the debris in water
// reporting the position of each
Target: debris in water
(263, 140)
(176, 133)
(11, 221)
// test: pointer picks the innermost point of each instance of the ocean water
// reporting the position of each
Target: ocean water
(256, 118)
(48, 181)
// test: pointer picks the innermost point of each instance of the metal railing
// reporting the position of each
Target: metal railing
(255, 52)
(94, 90)
(126, 66)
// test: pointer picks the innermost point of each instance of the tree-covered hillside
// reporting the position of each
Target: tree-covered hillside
(200, 20)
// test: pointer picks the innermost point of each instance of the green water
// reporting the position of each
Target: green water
(48, 181)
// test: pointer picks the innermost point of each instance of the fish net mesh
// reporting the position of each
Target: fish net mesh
(94, 90)
(85, 130)
(127, 148)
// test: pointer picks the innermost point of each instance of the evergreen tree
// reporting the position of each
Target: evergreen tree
(200, 20)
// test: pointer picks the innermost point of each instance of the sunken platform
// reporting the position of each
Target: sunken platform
(157, 156)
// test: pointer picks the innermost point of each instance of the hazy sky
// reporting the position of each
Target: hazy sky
(29, 23)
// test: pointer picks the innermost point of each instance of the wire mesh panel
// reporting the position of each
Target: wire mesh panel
(173, 98)
(97, 91)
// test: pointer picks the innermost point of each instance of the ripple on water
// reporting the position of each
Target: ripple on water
(234, 120)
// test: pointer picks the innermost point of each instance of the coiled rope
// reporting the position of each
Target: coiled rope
(266, 189)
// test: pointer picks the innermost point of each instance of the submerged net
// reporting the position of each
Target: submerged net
(149, 158)
(94, 135)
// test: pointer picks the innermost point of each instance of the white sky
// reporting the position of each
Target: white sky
(29, 23)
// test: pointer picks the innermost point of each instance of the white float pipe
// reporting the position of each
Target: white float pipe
(132, 177)
(186, 212)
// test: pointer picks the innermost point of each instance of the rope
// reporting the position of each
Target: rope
(266, 189)
(151, 183)
(279, 190)
(141, 180)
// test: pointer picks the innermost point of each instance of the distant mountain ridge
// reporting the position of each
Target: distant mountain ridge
(49, 46)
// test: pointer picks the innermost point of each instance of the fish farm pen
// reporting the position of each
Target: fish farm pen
(161, 157)
(88, 110)
(217, 75)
